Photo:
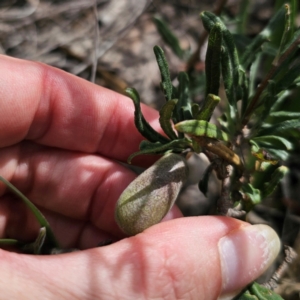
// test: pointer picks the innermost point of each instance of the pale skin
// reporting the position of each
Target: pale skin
(60, 139)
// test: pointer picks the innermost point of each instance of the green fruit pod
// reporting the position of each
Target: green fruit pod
(151, 195)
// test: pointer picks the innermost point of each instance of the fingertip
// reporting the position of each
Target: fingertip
(225, 254)
(245, 254)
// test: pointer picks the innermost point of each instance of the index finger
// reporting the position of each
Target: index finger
(46, 105)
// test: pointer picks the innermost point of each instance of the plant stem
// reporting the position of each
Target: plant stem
(225, 203)
(290, 255)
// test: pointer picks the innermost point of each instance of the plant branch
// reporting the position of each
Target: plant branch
(290, 256)
(225, 203)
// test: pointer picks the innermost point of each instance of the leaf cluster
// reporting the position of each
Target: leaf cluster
(253, 123)
(256, 133)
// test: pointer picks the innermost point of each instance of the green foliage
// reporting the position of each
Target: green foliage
(201, 128)
(183, 108)
(169, 37)
(258, 292)
(228, 57)
(272, 132)
(166, 82)
(45, 239)
(256, 127)
(165, 117)
(141, 124)
(213, 59)
(208, 107)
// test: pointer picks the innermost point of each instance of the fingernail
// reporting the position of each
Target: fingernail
(245, 254)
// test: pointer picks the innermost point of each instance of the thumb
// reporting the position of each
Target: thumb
(187, 258)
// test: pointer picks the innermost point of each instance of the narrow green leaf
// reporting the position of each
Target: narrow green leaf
(252, 51)
(289, 80)
(208, 107)
(223, 121)
(157, 148)
(242, 17)
(291, 55)
(227, 75)
(278, 154)
(165, 118)
(141, 124)
(285, 37)
(209, 20)
(201, 128)
(195, 110)
(276, 177)
(183, 107)
(294, 6)
(229, 61)
(213, 60)
(229, 120)
(293, 39)
(144, 145)
(273, 141)
(264, 106)
(255, 68)
(279, 100)
(234, 60)
(10, 242)
(168, 36)
(166, 81)
(253, 48)
(280, 128)
(285, 115)
(274, 150)
(36, 212)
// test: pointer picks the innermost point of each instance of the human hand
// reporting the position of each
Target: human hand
(60, 139)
